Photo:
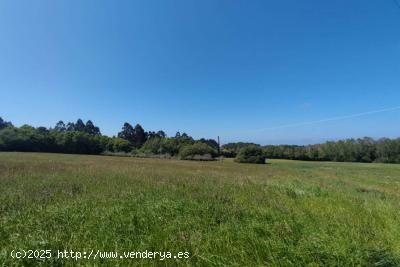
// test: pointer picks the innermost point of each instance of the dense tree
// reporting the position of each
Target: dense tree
(170, 146)
(26, 138)
(153, 145)
(79, 143)
(79, 126)
(367, 150)
(127, 133)
(197, 151)
(139, 136)
(161, 134)
(70, 127)
(4, 124)
(91, 129)
(152, 134)
(118, 145)
(41, 139)
(251, 154)
(42, 130)
(231, 149)
(87, 139)
(388, 150)
(60, 127)
(351, 150)
(211, 142)
(136, 136)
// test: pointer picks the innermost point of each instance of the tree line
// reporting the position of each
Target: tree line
(365, 149)
(86, 138)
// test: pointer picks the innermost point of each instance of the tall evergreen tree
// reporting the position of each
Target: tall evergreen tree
(91, 129)
(127, 133)
(140, 136)
(70, 127)
(60, 127)
(79, 126)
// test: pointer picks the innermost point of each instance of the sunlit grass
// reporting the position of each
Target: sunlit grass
(224, 213)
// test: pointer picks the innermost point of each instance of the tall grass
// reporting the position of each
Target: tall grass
(280, 214)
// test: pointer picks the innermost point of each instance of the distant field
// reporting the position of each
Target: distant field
(223, 213)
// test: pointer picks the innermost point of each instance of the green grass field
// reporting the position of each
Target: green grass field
(285, 213)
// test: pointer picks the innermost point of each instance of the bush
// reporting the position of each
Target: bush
(153, 145)
(228, 153)
(232, 149)
(251, 154)
(197, 151)
(121, 145)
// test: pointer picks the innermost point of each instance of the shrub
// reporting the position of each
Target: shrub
(197, 151)
(232, 149)
(228, 153)
(170, 146)
(251, 154)
(121, 145)
(153, 145)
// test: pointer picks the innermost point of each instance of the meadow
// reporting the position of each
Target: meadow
(284, 213)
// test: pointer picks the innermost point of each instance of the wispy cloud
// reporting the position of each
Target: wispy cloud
(338, 118)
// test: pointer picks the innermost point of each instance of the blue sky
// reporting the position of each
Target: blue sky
(238, 69)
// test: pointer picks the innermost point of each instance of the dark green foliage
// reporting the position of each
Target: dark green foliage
(388, 150)
(170, 146)
(251, 154)
(160, 134)
(77, 143)
(25, 138)
(87, 139)
(118, 145)
(60, 127)
(79, 126)
(153, 145)
(211, 142)
(228, 153)
(231, 149)
(184, 140)
(139, 136)
(127, 132)
(198, 150)
(136, 136)
(4, 124)
(70, 127)
(350, 150)
(91, 129)
(61, 139)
